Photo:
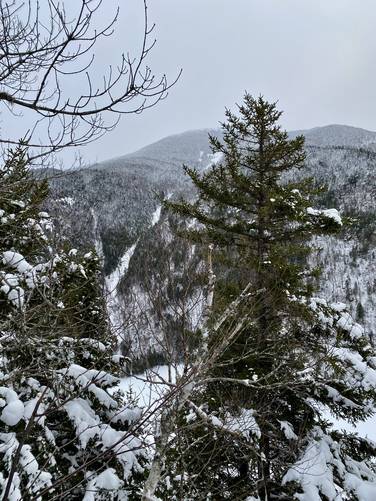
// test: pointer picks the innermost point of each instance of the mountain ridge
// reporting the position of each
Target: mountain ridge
(337, 135)
(186, 147)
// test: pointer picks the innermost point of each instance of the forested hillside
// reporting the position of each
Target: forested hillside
(111, 205)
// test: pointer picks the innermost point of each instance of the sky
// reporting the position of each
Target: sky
(316, 57)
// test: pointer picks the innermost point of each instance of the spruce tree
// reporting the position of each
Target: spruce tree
(262, 426)
(359, 312)
(65, 428)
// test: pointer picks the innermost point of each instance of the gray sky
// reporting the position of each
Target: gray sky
(317, 57)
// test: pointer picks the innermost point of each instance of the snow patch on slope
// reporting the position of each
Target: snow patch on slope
(150, 386)
(214, 159)
(112, 281)
(97, 242)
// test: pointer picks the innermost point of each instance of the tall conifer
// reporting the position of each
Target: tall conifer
(297, 362)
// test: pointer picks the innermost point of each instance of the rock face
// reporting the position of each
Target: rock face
(113, 206)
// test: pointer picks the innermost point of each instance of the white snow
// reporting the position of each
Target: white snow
(288, 430)
(328, 213)
(14, 409)
(67, 201)
(12, 284)
(111, 282)
(16, 260)
(98, 245)
(156, 215)
(89, 379)
(314, 473)
(38, 479)
(358, 373)
(333, 214)
(12, 413)
(108, 481)
(336, 397)
(150, 386)
(10, 287)
(116, 276)
(214, 159)
(84, 419)
(365, 490)
(125, 447)
(18, 203)
(125, 415)
(244, 422)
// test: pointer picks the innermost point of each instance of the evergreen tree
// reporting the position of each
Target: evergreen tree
(359, 312)
(65, 429)
(261, 426)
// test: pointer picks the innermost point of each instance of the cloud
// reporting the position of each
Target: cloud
(317, 57)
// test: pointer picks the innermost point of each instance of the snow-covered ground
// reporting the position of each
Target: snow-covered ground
(112, 281)
(156, 215)
(150, 387)
(98, 242)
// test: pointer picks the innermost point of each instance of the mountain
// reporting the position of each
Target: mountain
(338, 135)
(166, 156)
(113, 206)
(110, 204)
(191, 147)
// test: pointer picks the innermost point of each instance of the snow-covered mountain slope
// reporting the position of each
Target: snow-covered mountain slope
(111, 206)
(115, 304)
(192, 147)
(338, 135)
(104, 208)
(161, 295)
(187, 147)
(348, 276)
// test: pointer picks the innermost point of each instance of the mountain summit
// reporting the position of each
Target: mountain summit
(337, 135)
(192, 147)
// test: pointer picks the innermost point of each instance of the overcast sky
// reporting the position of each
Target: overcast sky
(317, 57)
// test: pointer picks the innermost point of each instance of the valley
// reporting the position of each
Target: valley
(115, 206)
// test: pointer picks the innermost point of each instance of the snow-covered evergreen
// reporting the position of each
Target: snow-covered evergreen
(65, 427)
(296, 363)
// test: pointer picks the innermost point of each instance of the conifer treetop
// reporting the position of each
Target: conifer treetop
(297, 360)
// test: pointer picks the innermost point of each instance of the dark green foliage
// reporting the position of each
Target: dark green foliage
(21, 225)
(359, 312)
(21, 199)
(260, 220)
(56, 359)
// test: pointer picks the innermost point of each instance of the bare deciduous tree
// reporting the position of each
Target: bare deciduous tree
(46, 72)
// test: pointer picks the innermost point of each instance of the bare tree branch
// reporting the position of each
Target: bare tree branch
(41, 54)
